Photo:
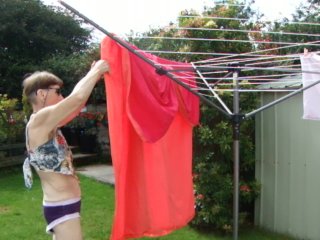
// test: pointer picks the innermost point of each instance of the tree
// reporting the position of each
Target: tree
(31, 34)
(295, 30)
(75, 66)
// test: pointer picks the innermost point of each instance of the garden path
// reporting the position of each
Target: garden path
(100, 172)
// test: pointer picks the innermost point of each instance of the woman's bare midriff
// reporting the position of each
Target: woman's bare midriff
(59, 187)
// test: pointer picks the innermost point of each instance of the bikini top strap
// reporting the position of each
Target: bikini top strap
(27, 172)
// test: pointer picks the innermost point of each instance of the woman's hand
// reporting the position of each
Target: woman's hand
(100, 67)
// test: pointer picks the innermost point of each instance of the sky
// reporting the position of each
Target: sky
(121, 16)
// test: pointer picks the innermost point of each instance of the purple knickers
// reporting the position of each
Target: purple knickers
(58, 212)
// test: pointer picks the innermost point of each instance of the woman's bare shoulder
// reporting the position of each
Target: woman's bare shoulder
(38, 131)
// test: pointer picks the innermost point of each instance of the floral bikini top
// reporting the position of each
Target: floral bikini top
(52, 156)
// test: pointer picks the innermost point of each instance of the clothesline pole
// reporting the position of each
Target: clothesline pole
(236, 153)
(159, 69)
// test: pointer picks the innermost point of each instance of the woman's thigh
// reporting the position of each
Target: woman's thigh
(70, 229)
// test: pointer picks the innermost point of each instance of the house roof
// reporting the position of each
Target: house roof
(288, 82)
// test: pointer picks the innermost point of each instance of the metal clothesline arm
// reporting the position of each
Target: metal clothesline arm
(250, 114)
(138, 54)
(216, 96)
(206, 68)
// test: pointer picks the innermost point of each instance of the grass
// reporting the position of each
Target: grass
(21, 213)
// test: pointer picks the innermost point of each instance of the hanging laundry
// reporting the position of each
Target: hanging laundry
(150, 125)
(311, 96)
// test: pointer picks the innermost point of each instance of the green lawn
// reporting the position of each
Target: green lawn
(21, 213)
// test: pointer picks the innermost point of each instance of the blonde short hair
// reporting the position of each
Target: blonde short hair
(38, 80)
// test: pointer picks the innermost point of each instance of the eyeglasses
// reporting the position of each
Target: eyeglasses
(57, 90)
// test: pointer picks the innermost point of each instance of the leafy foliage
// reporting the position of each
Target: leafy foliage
(292, 30)
(11, 121)
(213, 168)
(73, 67)
(88, 122)
(35, 37)
(30, 34)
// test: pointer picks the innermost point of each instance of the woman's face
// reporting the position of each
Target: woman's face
(53, 95)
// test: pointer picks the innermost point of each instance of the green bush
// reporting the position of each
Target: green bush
(12, 121)
(213, 168)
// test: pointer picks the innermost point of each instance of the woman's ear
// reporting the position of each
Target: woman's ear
(38, 93)
(41, 94)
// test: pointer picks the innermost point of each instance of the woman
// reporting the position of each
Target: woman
(48, 151)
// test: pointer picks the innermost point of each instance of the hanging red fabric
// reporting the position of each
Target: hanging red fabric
(150, 126)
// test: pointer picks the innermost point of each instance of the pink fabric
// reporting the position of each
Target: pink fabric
(311, 97)
(150, 125)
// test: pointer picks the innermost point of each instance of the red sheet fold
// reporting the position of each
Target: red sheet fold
(150, 126)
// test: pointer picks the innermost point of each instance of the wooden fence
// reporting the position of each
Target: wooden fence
(12, 154)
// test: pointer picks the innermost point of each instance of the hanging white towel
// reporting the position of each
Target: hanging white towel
(311, 97)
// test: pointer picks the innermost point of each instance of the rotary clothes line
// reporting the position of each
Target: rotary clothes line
(150, 122)
(213, 69)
